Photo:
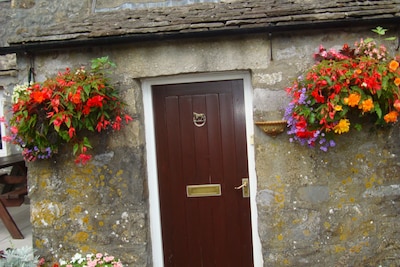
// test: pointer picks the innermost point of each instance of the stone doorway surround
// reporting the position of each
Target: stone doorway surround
(155, 221)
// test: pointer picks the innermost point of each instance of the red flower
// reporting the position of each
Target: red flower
(305, 134)
(99, 126)
(71, 132)
(57, 122)
(373, 82)
(337, 88)
(129, 118)
(76, 98)
(396, 104)
(83, 158)
(301, 124)
(96, 101)
(117, 123)
(55, 102)
(318, 96)
(64, 83)
(86, 110)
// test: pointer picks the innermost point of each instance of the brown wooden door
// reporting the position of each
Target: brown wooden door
(213, 230)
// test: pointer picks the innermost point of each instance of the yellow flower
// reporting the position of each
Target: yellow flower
(367, 105)
(342, 127)
(338, 108)
(353, 100)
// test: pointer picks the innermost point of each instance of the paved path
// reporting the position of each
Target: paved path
(22, 219)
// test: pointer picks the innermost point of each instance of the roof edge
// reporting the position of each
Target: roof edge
(122, 39)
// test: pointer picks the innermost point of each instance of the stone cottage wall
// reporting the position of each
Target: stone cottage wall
(314, 209)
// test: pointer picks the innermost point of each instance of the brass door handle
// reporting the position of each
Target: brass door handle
(245, 187)
(244, 183)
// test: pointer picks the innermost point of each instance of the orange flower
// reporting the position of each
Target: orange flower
(393, 65)
(397, 81)
(353, 100)
(367, 105)
(391, 116)
(76, 98)
(37, 96)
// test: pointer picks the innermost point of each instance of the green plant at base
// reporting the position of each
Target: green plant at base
(18, 257)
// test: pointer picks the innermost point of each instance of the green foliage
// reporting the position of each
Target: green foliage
(381, 32)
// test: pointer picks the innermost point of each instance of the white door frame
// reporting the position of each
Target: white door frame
(155, 217)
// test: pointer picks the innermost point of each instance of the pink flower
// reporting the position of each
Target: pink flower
(7, 138)
(14, 129)
(41, 261)
(108, 258)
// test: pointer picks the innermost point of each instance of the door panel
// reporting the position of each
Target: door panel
(213, 230)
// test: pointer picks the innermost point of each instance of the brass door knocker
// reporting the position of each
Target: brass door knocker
(199, 119)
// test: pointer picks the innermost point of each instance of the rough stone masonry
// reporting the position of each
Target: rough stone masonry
(339, 208)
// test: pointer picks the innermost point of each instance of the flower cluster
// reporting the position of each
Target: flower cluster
(353, 82)
(62, 109)
(90, 260)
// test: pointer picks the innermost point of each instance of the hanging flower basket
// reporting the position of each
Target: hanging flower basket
(360, 81)
(63, 109)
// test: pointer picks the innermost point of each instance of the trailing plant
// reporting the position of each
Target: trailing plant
(63, 109)
(359, 81)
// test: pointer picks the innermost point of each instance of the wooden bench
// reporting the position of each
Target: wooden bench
(16, 196)
(14, 191)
